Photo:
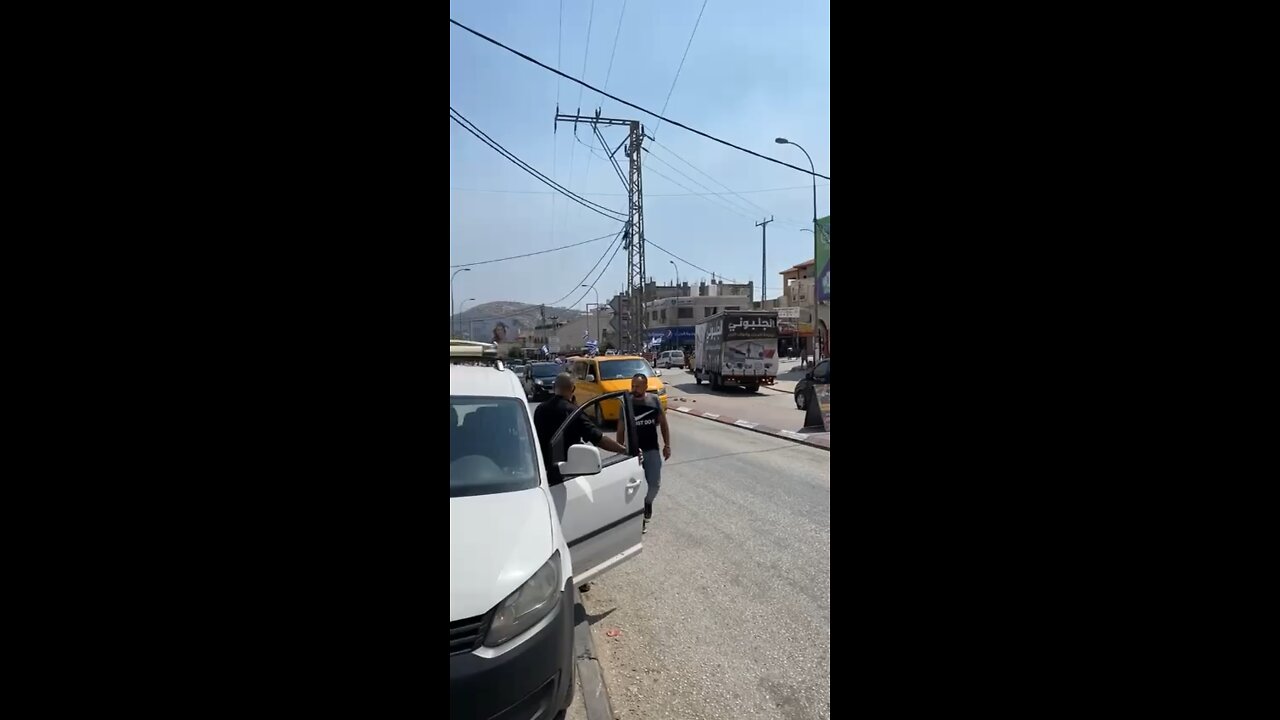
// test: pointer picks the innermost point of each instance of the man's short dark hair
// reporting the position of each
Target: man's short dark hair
(641, 376)
(564, 381)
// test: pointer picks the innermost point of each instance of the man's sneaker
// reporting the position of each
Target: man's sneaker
(645, 528)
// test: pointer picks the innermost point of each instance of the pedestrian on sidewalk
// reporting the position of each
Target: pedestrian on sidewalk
(649, 417)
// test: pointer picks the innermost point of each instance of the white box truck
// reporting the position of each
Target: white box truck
(739, 347)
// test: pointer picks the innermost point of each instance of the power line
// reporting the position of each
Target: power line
(597, 280)
(539, 252)
(708, 176)
(609, 73)
(495, 145)
(680, 67)
(615, 98)
(647, 195)
(686, 262)
(615, 245)
(585, 50)
(708, 198)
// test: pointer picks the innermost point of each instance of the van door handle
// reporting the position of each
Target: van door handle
(633, 482)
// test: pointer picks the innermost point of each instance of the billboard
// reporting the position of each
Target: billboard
(822, 256)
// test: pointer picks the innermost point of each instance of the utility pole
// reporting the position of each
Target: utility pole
(632, 323)
(763, 225)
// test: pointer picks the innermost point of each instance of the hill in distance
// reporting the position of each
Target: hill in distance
(481, 319)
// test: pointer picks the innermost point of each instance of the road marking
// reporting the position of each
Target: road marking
(683, 409)
(792, 433)
(745, 424)
(713, 416)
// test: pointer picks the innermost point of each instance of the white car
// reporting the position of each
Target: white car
(671, 358)
(518, 546)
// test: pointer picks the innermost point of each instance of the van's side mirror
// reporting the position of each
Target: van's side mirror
(582, 460)
(657, 373)
(591, 378)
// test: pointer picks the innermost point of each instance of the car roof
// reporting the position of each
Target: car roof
(623, 357)
(483, 381)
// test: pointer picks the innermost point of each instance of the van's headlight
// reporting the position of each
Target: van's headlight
(525, 607)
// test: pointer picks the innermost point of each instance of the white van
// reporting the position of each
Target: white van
(671, 358)
(518, 546)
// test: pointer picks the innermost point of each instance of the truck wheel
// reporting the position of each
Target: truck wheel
(715, 381)
(753, 388)
(697, 378)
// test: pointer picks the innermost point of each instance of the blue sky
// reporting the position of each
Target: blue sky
(757, 69)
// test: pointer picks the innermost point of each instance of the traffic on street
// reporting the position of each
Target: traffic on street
(640, 360)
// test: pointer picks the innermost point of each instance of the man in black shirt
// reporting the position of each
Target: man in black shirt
(551, 414)
(649, 418)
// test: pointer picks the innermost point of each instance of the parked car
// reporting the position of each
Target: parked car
(518, 546)
(671, 358)
(538, 379)
(820, 374)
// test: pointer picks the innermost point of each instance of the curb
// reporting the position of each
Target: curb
(595, 695)
(802, 438)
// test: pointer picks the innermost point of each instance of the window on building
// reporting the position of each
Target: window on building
(709, 311)
(731, 309)
(683, 313)
(663, 315)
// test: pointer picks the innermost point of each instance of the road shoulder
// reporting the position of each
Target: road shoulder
(591, 693)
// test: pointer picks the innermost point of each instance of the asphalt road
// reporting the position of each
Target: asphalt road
(764, 406)
(726, 613)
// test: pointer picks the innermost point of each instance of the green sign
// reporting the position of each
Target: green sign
(822, 258)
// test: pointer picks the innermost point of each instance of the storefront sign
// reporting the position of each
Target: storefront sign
(788, 320)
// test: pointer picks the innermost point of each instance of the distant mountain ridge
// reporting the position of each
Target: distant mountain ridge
(482, 320)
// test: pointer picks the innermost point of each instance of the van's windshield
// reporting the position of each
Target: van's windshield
(491, 447)
(621, 369)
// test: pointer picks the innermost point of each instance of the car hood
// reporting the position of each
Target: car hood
(496, 543)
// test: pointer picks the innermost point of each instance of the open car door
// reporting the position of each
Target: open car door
(602, 514)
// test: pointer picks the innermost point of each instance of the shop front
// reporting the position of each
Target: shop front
(671, 338)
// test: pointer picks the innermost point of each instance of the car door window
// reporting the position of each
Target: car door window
(568, 433)
(601, 515)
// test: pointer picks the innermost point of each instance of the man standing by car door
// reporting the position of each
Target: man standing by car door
(551, 414)
(649, 417)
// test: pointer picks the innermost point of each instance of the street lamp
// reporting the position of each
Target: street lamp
(808, 230)
(451, 314)
(784, 141)
(592, 288)
(677, 267)
(460, 309)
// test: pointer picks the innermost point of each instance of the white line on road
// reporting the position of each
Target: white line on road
(682, 409)
(745, 424)
(713, 416)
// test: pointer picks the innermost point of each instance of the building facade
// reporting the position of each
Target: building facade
(797, 292)
(677, 309)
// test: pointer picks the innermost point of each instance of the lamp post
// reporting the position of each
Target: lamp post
(452, 321)
(784, 141)
(460, 309)
(677, 267)
(592, 288)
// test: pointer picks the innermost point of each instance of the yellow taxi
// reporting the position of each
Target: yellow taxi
(595, 376)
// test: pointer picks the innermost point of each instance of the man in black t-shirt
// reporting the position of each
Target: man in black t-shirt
(649, 418)
(551, 414)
